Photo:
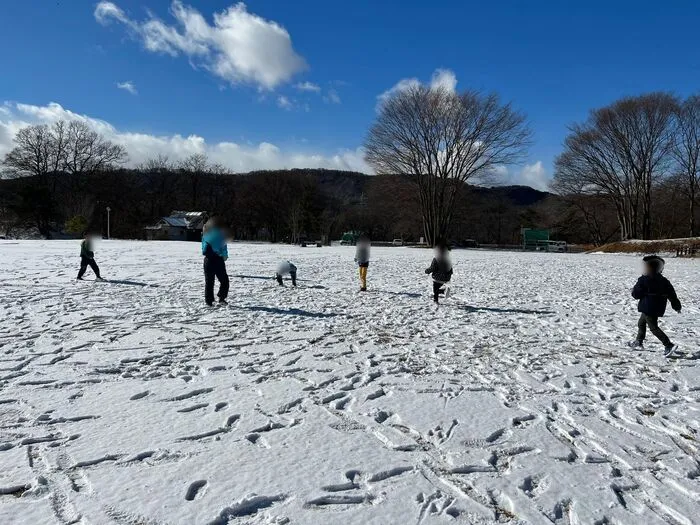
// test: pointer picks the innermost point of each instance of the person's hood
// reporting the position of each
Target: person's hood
(208, 225)
(213, 232)
(655, 263)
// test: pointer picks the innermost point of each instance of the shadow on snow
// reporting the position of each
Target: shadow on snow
(261, 277)
(288, 311)
(129, 283)
(412, 295)
(504, 310)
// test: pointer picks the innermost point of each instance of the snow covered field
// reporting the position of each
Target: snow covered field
(130, 402)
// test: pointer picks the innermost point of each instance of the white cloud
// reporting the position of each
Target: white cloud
(128, 86)
(105, 11)
(401, 85)
(308, 86)
(533, 175)
(239, 47)
(332, 97)
(441, 79)
(444, 79)
(284, 102)
(142, 146)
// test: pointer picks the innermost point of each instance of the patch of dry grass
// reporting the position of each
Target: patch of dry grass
(660, 246)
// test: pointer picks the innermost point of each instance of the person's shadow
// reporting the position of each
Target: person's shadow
(129, 283)
(505, 310)
(289, 311)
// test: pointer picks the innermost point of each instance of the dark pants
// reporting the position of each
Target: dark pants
(84, 263)
(437, 290)
(215, 268)
(293, 275)
(653, 323)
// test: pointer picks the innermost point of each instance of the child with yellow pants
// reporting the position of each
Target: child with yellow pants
(362, 259)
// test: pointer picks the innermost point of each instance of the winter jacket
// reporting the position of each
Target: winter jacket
(286, 268)
(86, 250)
(362, 254)
(214, 244)
(653, 291)
(441, 270)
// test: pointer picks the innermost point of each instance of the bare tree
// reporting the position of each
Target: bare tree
(444, 139)
(620, 151)
(585, 200)
(160, 178)
(159, 163)
(70, 147)
(86, 151)
(295, 220)
(216, 171)
(31, 155)
(686, 151)
(195, 166)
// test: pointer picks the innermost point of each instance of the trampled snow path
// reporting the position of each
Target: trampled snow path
(130, 402)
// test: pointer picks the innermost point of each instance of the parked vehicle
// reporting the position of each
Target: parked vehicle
(557, 246)
(397, 242)
(349, 239)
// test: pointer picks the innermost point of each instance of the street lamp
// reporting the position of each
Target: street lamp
(108, 210)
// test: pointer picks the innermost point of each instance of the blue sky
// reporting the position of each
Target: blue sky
(279, 84)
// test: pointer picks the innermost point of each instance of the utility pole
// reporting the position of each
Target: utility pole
(108, 210)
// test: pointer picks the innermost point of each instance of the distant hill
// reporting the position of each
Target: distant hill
(262, 205)
(518, 195)
(349, 186)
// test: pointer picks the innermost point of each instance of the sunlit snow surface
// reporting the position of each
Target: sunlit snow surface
(131, 402)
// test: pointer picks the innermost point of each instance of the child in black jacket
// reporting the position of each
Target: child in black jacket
(653, 290)
(441, 270)
(87, 258)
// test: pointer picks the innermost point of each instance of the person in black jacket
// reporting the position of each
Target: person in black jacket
(87, 258)
(440, 269)
(653, 291)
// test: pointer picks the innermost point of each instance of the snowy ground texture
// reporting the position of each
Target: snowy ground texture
(130, 402)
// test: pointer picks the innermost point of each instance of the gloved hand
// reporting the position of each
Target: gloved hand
(225, 258)
(427, 271)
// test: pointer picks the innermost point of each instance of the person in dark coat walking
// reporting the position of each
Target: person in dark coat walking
(440, 269)
(87, 258)
(653, 291)
(215, 254)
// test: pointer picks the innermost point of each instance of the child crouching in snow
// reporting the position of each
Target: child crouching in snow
(286, 268)
(440, 269)
(653, 290)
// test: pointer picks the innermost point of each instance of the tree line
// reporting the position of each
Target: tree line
(635, 157)
(623, 166)
(629, 171)
(275, 206)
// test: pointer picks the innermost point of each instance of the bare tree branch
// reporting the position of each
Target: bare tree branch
(443, 140)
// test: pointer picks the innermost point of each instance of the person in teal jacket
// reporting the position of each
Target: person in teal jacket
(215, 254)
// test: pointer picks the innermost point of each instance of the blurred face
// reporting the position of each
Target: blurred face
(647, 269)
